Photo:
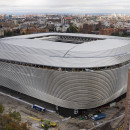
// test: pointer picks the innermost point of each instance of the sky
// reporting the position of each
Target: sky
(65, 6)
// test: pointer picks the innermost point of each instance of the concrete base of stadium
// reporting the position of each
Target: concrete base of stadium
(68, 112)
(77, 112)
(65, 112)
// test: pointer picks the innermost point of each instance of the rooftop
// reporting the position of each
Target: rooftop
(66, 49)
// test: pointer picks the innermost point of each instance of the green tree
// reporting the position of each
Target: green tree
(1, 108)
(72, 29)
(4, 119)
(8, 33)
(7, 122)
(15, 115)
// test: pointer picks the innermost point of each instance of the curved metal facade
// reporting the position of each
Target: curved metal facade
(76, 90)
(98, 53)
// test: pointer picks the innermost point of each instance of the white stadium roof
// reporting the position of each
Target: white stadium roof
(34, 49)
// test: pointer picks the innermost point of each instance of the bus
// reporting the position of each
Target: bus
(39, 108)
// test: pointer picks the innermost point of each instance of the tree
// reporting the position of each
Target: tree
(72, 29)
(24, 126)
(12, 126)
(15, 115)
(11, 122)
(1, 108)
(8, 33)
(4, 119)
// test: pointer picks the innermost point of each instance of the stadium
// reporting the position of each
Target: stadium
(71, 71)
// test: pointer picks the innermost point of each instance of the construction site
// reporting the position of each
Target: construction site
(36, 120)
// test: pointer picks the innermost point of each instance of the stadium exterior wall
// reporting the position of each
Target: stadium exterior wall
(73, 90)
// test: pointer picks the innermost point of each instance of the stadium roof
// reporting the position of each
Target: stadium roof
(36, 49)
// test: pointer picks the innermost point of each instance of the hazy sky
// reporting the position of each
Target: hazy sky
(65, 6)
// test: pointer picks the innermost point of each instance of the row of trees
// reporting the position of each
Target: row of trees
(11, 121)
(12, 33)
(123, 34)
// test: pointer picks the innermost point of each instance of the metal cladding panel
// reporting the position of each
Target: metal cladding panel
(75, 90)
(99, 53)
(64, 62)
(67, 34)
(30, 50)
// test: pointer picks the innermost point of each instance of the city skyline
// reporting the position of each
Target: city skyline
(68, 6)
